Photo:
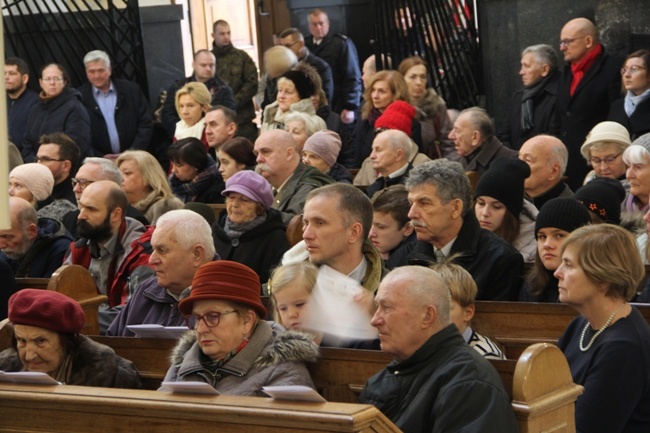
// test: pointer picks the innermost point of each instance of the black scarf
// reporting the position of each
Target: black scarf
(529, 94)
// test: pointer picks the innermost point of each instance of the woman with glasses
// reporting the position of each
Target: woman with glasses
(59, 110)
(633, 110)
(603, 149)
(637, 159)
(250, 231)
(232, 347)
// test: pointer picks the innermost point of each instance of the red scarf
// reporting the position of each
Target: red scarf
(580, 68)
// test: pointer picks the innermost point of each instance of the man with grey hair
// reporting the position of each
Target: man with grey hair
(389, 158)
(534, 108)
(278, 160)
(93, 170)
(436, 382)
(547, 157)
(445, 225)
(182, 242)
(120, 117)
(473, 136)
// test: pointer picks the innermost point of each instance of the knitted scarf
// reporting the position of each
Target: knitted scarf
(188, 191)
(527, 105)
(235, 230)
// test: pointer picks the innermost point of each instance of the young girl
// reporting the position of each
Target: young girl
(290, 287)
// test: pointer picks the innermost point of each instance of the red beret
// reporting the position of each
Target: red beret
(224, 280)
(398, 115)
(46, 309)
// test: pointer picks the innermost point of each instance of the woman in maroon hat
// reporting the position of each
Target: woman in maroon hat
(47, 338)
(232, 348)
(250, 231)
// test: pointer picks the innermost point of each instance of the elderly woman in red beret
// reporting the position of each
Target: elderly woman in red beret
(47, 333)
(232, 348)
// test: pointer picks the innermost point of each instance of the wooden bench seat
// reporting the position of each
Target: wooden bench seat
(517, 325)
(76, 282)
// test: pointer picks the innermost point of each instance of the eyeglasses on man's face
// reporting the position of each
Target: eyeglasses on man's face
(83, 183)
(211, 319)
(45, 159)
(568, 41)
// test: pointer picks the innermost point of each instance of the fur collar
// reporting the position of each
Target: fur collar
(285, 346)
(429, 105)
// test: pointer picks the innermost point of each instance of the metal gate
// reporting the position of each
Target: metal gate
(443, 33)
(63, 31)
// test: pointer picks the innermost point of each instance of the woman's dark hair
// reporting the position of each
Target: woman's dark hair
(509, 228)
(189, 151)
(241, 150)
(64, 73)
(409, 62)
(538, 278)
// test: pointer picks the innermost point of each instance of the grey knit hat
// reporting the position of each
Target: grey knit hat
(326, 144)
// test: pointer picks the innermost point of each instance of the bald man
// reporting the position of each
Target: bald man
(390, 158)
(278, 160)
(591, 81)
(111, 246)
(547, 157)
(436, 382)
(33, 247)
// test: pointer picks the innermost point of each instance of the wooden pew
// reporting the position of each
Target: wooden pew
(76, 282)
(517, 325)
(74, 409)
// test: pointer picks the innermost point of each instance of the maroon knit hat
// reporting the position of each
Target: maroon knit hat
(46, 309)
(398, 115)
(224, 280)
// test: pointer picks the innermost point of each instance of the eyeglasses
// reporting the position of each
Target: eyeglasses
(47, 159)
(83, 183)
(632, 69)
(567, 42)
(210, 319)
(607, 160)
(52, 79)
(291, 44)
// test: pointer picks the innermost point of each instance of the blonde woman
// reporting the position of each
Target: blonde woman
(192, 102)
(145, 184)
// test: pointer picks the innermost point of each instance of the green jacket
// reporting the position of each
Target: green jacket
(238, 69)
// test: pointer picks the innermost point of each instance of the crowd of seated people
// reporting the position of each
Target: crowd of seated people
(413, 244)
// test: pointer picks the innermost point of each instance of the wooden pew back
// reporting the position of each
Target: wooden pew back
(76, 282)
(517, 325)
(74, 409)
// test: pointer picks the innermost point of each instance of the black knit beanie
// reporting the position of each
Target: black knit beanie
(504, 181)
(603, 196)
(563, 213)
(303, 84)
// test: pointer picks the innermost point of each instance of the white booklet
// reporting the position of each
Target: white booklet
(157, 331)
(30, 377)
(188, 388)
(293, 392)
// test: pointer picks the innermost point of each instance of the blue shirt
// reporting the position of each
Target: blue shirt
(107, 103)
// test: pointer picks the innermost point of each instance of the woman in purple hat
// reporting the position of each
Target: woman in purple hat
(250, 231)
(232, 348)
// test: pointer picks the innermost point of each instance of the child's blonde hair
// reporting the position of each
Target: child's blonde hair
(301, 272)
(460, 282)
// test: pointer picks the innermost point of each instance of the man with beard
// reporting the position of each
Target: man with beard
(278, 160)
(33, 247)
(20, 98)
(113, 247)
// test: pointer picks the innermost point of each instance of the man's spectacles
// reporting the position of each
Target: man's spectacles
(607, 160)
(291, 44)
(632, 69)
(47, 159)
(83, 183)
(210, 319)
(52, 79)
(569, 41)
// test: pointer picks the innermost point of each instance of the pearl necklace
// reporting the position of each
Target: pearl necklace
(600, 331)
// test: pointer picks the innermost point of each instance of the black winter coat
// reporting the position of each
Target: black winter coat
(545, 116)
(495, 265)
(132, 118)
(637, 124)
(588, 106)
(65, 113)
(260, 248)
